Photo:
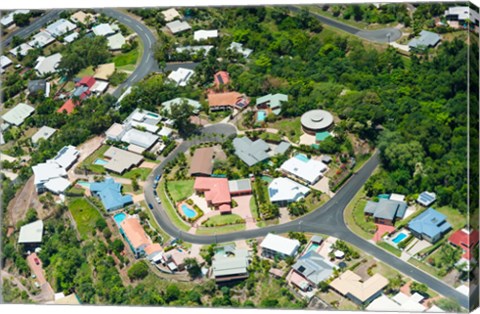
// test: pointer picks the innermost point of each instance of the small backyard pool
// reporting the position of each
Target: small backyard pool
(190, 213)
(100, 162)
(399, 238)
(313, 247)
(302, 157)
(261, 115)
(119, 218)
(84, 184)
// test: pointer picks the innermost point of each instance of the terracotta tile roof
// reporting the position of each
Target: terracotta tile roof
(152, 248)
(216, 189)
(221, 78)
(230, 99)
(225, 208)
(466, 241)
(135, 233)
(68, 106)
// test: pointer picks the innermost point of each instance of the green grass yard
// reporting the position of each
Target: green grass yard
(129, 58)
(222, 220)
(85, 216)
(180, 190)
(292, 128)
(89, 161)
(220, 230)
(355, 219)
(141, 173)
(171, 212)
(389, 248)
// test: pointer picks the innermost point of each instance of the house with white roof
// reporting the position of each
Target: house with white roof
(47, 65)
(5, 62)
(103, 30)
(7, 20)
(277, 246)
(45, 132)
(170, 14)
(21, 50)
(60, 27)
(115, 42)
(165, 132)
(307, 170)
(181, 76)
(204, 34)
(71, 38)
(238, 47)
(139, 140)
(194, 49)
(17, 115)
(283, 191)
(178, 26)
(41, 39)
(31, 233)
(458, 16)
(51, 175)
(426, 198)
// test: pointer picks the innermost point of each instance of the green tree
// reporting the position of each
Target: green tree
(297, 208)
(419, 287)
(118, 245)
(138, 271)
(21, 20)
(193, 268)
(181, 113)
(172, 293)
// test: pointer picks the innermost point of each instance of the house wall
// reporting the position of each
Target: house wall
(384, 221)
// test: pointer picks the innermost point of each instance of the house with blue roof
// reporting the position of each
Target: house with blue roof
(429, 225)
(110, 193)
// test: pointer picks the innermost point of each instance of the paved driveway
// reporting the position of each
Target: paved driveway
(243, 210)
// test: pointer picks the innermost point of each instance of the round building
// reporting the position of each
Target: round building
(314, 121)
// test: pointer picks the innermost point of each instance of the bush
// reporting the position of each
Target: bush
(138, 271)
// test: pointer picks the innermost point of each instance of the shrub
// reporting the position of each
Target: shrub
(138, 271)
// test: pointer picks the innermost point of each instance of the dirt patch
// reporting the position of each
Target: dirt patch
(26, 198)
(362, 269)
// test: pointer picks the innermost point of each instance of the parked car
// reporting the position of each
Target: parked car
(150, 206)
(37, 261)
(158, 200)
(157, 178)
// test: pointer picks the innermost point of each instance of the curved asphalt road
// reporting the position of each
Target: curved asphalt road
(147, 63)
(385, 35)
(327, 219)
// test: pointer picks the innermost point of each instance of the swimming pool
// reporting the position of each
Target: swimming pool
(399, 238)
(302, 157)
(153, 115)
(100, 162)
(119, 218)
(190, 213)
(84, 184)
(314, 247)
(261, 115)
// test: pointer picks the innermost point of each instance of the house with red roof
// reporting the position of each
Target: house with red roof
(216, 192)
(467, 240)
(229, 100)
(87, 81)
(68, 106)
(221, 78)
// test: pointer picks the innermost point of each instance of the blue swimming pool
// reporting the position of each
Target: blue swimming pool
(119, 218)
(313, 246)
(261, 115)
(84, 184)
(399, 238)
(100, 162)
(190, 213)
(302, 157)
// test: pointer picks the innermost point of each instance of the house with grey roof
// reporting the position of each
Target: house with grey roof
(425, 40)
(385, 211)
(115, 42)
(310, 270)
(60, 27)
(41, 39)
(17, 115)
(45, 132)
(167, 105)
(251, 152)
(178, 26)
(21, 50)
(38, 86)
(230, 264)
(47, 65)
(272, 102)
(282, 148)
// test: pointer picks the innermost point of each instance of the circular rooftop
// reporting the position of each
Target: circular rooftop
(316, 120)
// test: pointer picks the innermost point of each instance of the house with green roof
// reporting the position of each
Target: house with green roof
(272, 102)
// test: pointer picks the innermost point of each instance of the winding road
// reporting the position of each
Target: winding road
(384, 35)
(327, 219)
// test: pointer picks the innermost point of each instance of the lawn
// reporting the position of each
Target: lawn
(222, 220)
(180, 190)
(220, 230)
(253, 208)
(129, 58)
(454, 217)
(169, 209)
(354, 217)
(267, 136)
(127, 188)
(89, 161)
(85, 216)
(389, 248)
(292, 128)
(86, 72)
(140, 173)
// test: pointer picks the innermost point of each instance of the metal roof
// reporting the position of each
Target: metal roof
(31, 233)
(44, 132)
(251, 152)
(426, 39)
(280, 244)
(18, 114)
(316, 119)
(314, 267)
(430, 222)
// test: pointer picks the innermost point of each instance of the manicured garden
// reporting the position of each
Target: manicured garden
(355, 218)
(85, 216)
